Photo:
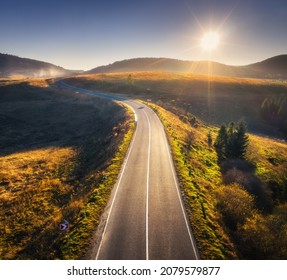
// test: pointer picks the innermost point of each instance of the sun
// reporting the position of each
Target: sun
(210, 41)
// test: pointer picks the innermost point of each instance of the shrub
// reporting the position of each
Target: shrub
(256, 240)
(264, 237)
(235, 204)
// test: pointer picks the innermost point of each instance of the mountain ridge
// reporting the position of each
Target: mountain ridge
(274, 67)
(11, 65)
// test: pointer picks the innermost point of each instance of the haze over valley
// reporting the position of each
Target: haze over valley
(271, 68)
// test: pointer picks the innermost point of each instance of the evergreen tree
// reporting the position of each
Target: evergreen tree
(232, 142)
(221, 142)
(242, 140)
(231, 128)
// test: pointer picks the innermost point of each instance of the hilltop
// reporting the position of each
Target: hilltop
(11, 65)
(274, 67)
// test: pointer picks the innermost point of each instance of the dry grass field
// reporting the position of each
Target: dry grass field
(59, 159)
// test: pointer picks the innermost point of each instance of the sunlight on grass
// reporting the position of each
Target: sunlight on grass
(213, 216)
(186, 110)
(61, 153)
(78, 240)
(38, 192)
(198, 183)
(33, 188)
(270, 158)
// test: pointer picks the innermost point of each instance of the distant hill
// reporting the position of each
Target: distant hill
(275, 66)
(11, 65)
(271, 68)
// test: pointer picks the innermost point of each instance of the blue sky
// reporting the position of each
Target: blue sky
(85, 34)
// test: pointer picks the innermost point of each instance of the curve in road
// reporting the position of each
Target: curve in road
(145, 217)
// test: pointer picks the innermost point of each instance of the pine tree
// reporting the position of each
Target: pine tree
(209, 139)
(221, 142)
(232, 142)
(242, 140)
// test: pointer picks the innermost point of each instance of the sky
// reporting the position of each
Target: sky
(89, 33)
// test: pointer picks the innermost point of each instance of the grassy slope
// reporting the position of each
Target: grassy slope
(213, 99)
(270, 159)
(200, 176)
(58, 161)
(31, 199)
(197, 166)
(198, 183)
(78, 239)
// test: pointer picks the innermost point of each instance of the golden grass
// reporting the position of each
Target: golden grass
(32, 184)
(78, 240)
(38, 193)
(196, 162)
(70, 178)
(36, 82)
(177, 76)
(200, 178)
(199, 175)
(270, 158)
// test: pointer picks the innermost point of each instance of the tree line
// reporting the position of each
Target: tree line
(232, 141)
(274, 111)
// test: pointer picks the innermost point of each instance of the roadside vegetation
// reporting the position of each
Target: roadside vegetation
(60, 153)
(199, 175)
(235, 195)
(235, 203)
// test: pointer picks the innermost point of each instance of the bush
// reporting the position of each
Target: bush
(264, 237)
(235, 204)
(256, 240)
(252, 185)
(277, 222)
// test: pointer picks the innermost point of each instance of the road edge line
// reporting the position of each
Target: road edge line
(147, 189)
(171, 162)
(117, 188)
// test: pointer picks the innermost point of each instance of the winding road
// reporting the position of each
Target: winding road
(145, 217)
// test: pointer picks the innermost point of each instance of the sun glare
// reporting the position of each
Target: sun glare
(210, 41)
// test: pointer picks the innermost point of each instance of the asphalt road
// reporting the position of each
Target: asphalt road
(145, 217)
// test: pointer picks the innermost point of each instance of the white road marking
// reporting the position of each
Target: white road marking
(177, 188)
(114, 198)
(136, 116)
(147, 185)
